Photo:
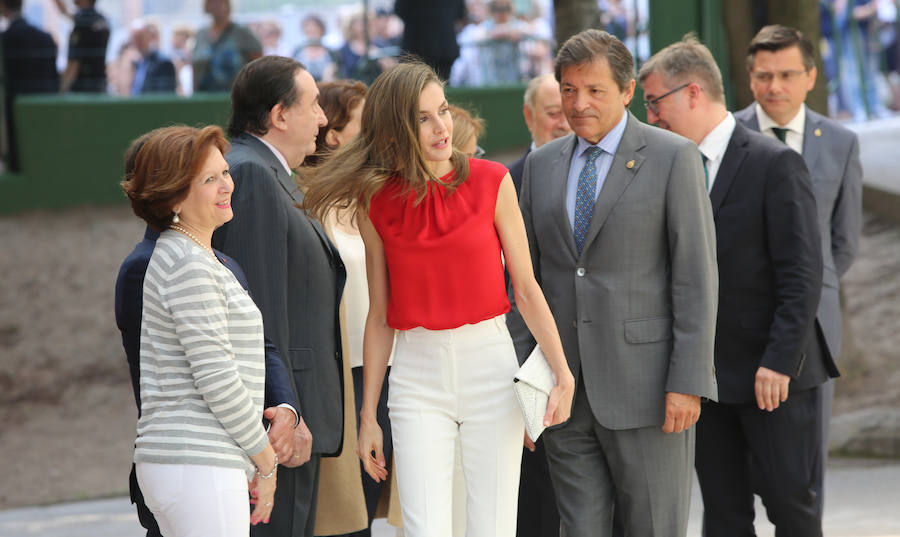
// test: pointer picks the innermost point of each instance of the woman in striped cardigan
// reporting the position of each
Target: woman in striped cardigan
(200, 438)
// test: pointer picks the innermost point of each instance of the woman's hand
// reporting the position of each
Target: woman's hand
(560, 404)
(370, 448)
(262, 495)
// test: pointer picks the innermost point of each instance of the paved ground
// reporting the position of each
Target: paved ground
(863, 500)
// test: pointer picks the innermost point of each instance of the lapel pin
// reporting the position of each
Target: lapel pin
(818, 132)
(629, 164)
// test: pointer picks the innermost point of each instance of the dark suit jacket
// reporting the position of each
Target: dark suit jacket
(831, 152)
(430, 27)
(296, 277)
(129, 303)
(516, 169)
(770, 265)
(29, 59)
(160, 76)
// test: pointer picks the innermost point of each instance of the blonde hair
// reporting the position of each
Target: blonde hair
(387, 148)
(466, 126)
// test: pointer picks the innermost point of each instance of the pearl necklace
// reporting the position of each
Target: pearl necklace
(193, 238)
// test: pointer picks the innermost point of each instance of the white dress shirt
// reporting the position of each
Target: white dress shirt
(713, 147)
(794, 135)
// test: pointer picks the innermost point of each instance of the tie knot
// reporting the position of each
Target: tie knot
(592, 153)
(780, 133)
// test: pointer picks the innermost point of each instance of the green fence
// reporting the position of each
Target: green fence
(72, 147)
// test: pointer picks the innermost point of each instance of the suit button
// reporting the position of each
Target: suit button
(580, 271)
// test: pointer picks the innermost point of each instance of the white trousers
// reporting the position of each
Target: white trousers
(196, 501)
(447, 385)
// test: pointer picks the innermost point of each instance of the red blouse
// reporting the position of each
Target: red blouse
(443, 255)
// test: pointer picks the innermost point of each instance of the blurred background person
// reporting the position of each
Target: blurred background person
(545, 120)
(120, 71)
(221, 49)
(153, 72)
(318, 59)
(353, 51)
(86, 67)
(269, 34)
(466, 69)
(182, 47)
(501, 34)
(29, 66)
(429, 31)
(200, 439)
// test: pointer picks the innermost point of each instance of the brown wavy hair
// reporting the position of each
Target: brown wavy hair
(160, 166)
(387, 148)
(337, 99)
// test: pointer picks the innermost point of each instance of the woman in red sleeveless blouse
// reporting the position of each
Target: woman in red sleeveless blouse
(435, 224)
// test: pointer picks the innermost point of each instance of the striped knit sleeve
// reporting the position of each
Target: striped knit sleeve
(198, 307)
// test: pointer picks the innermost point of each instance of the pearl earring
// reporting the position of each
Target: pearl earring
(175, 219)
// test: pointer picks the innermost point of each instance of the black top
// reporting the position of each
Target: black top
(29, 59)
(87, 45)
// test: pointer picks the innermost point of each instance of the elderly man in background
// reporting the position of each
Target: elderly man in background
(544, 117)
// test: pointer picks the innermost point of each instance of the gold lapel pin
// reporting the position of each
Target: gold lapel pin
(629, 164)
(818, 132)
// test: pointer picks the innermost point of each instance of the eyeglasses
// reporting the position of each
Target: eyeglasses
(765, 77)
(651, 104)
(479, 152)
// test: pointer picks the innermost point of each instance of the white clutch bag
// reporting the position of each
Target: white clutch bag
(533, 383)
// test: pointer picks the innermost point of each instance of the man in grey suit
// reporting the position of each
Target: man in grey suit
(782, 69)
(294, 272)
(622, 242)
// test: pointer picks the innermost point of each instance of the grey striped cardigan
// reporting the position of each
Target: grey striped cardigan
(202, 363)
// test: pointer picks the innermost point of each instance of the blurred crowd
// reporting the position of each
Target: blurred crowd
(468, 42)
(860, 52)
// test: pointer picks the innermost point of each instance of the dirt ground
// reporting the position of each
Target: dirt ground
(66, 406)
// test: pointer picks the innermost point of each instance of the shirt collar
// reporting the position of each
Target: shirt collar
(277, 154)
(715, 143)
(796, 124)
(609, 143)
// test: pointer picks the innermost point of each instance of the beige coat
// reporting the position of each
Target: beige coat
(341, 506)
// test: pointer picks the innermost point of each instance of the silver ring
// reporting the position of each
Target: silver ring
(269, 504)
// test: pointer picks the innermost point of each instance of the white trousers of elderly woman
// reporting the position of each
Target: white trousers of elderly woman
(195, 500)
(447, 385)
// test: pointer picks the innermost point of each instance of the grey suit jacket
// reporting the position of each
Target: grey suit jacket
(831, 152)
(296, 277)
(637, 310)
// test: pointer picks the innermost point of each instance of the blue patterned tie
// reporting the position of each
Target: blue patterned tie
(584, 197)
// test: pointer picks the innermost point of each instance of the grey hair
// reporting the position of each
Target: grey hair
(686, 61)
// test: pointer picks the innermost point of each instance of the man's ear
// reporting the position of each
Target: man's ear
(276, 117)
